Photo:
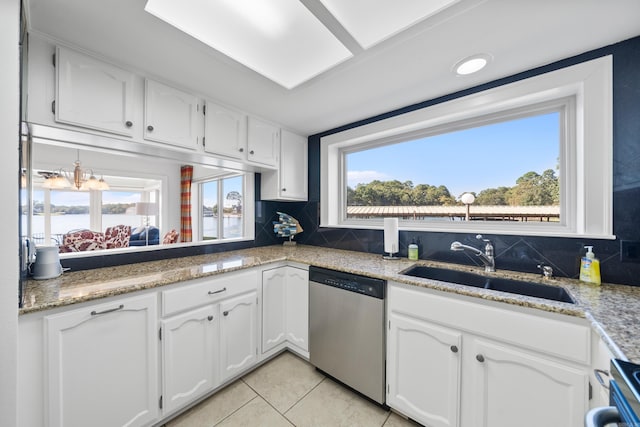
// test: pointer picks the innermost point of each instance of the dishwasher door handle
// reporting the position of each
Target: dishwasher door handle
(600, 417)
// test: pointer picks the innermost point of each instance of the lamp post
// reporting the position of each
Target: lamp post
(467, 199)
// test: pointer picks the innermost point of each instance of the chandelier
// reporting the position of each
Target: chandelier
(80, 179)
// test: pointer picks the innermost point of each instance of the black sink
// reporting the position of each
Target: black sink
(531, 289)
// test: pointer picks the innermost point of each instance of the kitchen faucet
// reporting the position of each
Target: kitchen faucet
(486, 257)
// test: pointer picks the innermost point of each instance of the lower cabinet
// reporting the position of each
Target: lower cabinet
(102, 364)
(513, 384)
(285, 308)
(423, 370)
(459, 363)
(238, 334)
(190, 345)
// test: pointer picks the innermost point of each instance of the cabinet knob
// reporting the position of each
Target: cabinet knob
(150, 128)
(210, 318)
(480, 358)
(128, 123)
(454, 348)
(284, 189)
(241, 150)
(226, 313)
(251, 152)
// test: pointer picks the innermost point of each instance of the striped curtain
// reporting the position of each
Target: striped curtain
(186, 175)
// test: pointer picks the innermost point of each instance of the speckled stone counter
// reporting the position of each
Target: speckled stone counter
(613, 310)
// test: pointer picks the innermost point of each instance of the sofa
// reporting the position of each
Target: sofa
(139, 236)
(87, 240)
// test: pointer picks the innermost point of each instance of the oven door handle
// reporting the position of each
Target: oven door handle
(600, 417)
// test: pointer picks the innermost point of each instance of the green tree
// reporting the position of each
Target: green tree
(532, 189)
(493, 197)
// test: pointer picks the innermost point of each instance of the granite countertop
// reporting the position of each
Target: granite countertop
(613, 310)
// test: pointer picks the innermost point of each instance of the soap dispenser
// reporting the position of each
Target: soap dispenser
(413, 251)
(590, 267)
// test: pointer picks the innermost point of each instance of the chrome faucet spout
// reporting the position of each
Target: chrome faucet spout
(486, 257)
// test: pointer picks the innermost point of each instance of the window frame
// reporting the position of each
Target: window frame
(584, 94)
(248, 207)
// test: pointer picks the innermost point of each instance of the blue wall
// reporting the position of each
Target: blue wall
(521, 253)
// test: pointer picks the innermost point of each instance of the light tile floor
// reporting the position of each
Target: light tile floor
(287, 391)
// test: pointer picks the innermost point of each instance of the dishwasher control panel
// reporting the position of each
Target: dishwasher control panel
(368, 286)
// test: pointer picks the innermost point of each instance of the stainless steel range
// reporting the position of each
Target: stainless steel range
(624, 398)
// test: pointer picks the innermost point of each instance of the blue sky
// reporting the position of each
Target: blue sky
(465, 161)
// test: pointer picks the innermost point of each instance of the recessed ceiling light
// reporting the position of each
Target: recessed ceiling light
(471, 64)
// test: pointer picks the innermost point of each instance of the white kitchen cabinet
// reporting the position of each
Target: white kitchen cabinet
(297, 308)
(511, 384)
(289, 181)
(93, 94)
(190, 345)
(600, 374)
(273, 308)
(102, 364)
(225, 131)
(424, 370)
(285, 309)
(263, 142)
(453, 361)
(238, 334)
(170, 115)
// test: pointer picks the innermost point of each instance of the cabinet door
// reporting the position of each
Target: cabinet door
(170, 115)
(102, 364)
(273, 308)
(189, 356)
(225, 132)
(238, 334)
(263, 142)
(515, 387)
(423, 370)
(297, 307)
(93, 94)
(293, 166)
(289, 181)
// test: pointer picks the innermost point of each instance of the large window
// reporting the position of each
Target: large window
(221, 207)
(532, 157)
(507, 170)
(57, 212)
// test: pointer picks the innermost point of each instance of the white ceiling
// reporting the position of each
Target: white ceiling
(409, 67)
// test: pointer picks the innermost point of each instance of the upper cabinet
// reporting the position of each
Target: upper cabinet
(289, 181)
(93, 94)
(263, 142)
(225, 131)
(170, 115)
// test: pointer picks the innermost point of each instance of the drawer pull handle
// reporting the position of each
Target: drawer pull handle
(217, 292)
(598, 374)
(454, 348)
(226, 313)
(111, 310)
(480, 358)
(150, 128)
(209, 318)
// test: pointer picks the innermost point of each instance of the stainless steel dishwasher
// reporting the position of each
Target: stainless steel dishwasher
(346, 329)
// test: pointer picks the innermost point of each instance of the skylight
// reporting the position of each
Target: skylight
(279, 39)
(372, 22)
(282, 39)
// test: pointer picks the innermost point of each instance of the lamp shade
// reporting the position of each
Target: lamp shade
(146, 208)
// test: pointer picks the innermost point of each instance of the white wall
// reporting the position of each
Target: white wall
(9, 137)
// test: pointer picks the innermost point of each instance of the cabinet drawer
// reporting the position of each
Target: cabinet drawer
(204, 291)
(555, 335)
